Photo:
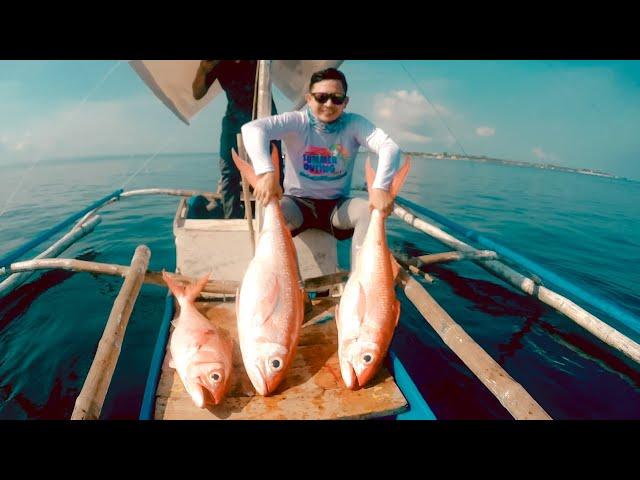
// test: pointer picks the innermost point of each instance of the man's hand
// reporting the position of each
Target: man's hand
(199, 86)
(381, 200)
(208, 65)
(267, 188)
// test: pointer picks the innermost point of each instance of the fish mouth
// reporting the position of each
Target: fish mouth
(258, 380)
(349, 375)
(215, 398)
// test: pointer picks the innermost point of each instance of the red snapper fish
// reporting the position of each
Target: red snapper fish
(368, 312)
(201, 353)
(270, 300)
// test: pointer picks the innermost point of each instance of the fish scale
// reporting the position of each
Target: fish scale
(368, 311)
(270, 306)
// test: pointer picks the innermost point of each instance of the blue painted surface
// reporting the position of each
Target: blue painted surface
(155, 368)
(8, 259)
(617, 312)
(418, 407)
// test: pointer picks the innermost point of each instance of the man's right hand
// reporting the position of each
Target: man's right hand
(267, 188)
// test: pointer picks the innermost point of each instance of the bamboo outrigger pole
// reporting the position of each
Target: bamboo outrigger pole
(77, 232)
(89, 402)
(509, 393)
(589, 322)
(214, 287)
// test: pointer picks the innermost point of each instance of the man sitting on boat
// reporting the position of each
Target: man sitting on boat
(322, 143)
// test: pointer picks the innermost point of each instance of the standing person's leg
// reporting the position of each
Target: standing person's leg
(353, 213)
(229, 174)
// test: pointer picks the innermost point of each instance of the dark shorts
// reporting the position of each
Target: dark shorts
(318, 213)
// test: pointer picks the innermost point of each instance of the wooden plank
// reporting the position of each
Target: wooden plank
(312, 389)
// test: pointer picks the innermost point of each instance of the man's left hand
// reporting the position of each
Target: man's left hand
(381, 200)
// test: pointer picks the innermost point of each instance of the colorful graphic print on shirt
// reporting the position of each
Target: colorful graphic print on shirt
(320, 163)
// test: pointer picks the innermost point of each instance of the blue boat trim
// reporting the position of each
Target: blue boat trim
(618, 313)
(148, 401)
(418, 407)
(8, 259)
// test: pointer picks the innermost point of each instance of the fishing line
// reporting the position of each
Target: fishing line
(73, 113)
(146, 162)
(434, 109)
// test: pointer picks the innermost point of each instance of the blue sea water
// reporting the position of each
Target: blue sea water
(582, 227)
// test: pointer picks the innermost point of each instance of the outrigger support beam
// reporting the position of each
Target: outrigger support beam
(212, 287)
(509, 393)
(89, 403)
(589, 322)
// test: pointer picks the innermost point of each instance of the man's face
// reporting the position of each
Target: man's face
(324, 98)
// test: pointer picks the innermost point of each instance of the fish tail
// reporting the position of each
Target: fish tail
(370, 174)
(245, 168)
(188, 293)
(275, 158)
(400, 177)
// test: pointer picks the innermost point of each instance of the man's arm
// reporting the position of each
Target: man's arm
(257, 136)
(388, 152)
(203, 80)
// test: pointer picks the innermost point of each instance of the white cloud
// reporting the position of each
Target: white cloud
(413, 137)
(485, 131)
(409, 118)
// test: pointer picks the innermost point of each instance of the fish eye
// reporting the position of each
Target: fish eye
(215, 377)
(367, 358)
(276, 364)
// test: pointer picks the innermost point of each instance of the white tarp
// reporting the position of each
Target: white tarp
(171, 80)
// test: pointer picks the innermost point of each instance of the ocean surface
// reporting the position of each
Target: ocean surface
(585, 228)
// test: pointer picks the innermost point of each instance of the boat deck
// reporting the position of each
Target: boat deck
(312, 389)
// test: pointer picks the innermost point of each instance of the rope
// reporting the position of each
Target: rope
(434, 109)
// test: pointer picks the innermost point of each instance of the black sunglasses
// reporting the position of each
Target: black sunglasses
(336, 98)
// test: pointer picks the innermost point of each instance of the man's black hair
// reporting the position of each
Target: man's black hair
(328, 74)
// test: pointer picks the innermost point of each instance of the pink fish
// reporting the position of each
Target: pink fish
(369, 311)
(200, 352)
(270, 301)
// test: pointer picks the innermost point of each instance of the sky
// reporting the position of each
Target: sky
(580, 114)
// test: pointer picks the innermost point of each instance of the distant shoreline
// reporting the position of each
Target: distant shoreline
(431, 155)
(514, 163)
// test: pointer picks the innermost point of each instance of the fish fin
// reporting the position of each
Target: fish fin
(245, 168)
(188, 293)
(176, 289)
(267, 303)
(192, 291)
(370, 174)
(397, 305)
(400, 177)
(275, 158)
(395, 266)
